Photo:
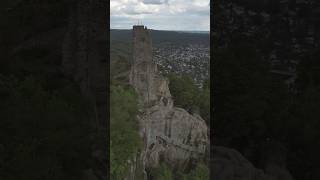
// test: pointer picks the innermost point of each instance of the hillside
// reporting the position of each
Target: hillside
(158, 37)
(182, 53)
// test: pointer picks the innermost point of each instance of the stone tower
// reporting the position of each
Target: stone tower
(144, 75)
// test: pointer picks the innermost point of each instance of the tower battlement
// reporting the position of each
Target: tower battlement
(139, 27)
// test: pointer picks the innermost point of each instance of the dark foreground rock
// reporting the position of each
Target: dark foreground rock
(229, 164)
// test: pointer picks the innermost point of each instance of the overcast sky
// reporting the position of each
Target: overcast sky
(161, 14)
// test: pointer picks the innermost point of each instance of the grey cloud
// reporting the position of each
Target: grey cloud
(199, 12)
(137, 13)
(130, 10)
(155, 1)
(193, 18)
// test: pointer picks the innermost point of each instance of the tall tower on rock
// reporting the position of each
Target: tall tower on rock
(167, 131)
(144, 75)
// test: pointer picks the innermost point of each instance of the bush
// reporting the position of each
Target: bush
(201, 172)
(163, 172)
(187, 95)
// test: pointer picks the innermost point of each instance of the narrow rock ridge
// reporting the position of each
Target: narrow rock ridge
(169, 133)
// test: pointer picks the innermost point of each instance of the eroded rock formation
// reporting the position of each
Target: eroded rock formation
(169, 133)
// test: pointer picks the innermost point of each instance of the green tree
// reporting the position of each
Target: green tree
(201, 172)
(186, 94)
(204, 102)
(184, 91)
(124, 138)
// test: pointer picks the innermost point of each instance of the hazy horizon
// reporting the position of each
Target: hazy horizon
(208, 31)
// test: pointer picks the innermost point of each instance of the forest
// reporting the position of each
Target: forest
(256, 113)
(46, 125)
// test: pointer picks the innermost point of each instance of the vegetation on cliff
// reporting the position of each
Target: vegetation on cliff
(165, 172)
(124, 138)
(125, 141)
(187, 95)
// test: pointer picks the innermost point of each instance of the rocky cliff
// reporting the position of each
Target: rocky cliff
(170, 134)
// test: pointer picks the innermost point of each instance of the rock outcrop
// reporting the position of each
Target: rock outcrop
(169, 133)
(229, 164)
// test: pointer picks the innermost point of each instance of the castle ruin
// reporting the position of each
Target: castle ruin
(170, 134)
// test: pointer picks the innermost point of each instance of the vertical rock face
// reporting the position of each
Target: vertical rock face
(170, 134)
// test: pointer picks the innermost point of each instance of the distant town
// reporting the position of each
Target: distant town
(190, 59)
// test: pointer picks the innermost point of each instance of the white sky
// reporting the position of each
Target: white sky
(161, 14)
